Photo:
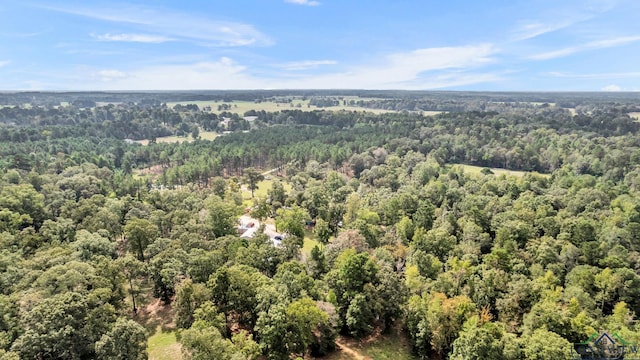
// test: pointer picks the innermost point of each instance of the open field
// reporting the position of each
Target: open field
(204, 135)
(240, 107)
(23, 106)
(263, 187)
(477, 170)
(432, 113)
(534, 103)
(164, 346)
(393, 346)
(310, 241)
(635, 115)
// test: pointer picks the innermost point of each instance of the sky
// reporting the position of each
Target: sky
(489, 45)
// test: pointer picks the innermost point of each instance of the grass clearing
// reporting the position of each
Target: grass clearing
(263, 188)
(208, 135)
(432, 113)
(477, 170)
(310, 241)
(164, 346)
(635, 115)
(392, 346)
(204, 135)
(534, 103)
(241, 107)
(389, 348)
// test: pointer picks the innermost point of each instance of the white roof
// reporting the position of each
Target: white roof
(249, 233)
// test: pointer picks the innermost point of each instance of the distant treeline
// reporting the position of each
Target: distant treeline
(88, 99)
(603, 141)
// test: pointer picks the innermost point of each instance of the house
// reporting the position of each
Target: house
(249, 233)
(249, 227)
(225, 122)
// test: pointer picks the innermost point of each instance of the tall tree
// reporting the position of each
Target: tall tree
(291, 221)
(222, 217)
(323, 231)
(126, 340)
(252, 177)
(140, 233)
(131, 267)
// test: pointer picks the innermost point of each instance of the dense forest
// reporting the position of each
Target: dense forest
(388, 226)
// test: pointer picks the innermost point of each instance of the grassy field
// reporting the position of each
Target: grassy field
(204, 135)
(263, 188)
(240, 107)
(635, 115)
(164, 346)
(310, 241)
(23, 106)
(477, 170)
(389, 348)
(392, 346)
(534, 103)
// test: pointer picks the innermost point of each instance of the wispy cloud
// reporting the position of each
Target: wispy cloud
(224, 73)
(431, 68)
(25, 34)
(403, 67)
(617, 75)
(599, 44)
(169, 24)
(305, 65)
(454, 79)
(95, 52)
(532, 29)
(427, 68)
(141, 38)
(110, 75)
(4, 63)
(303, 2)
(557, 16)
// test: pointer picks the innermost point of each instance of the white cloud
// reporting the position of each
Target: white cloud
(305, 65)
(432, 68)
(401, 68)
(174, 25)
(618, 75)
(599, 44)
(25, 34)
(222, 74)
(304, 2)
(532, 29)
(4, 63)
(142, 38)
(453, 79)
(553, 15)
(110, 75)
(612, 87)
(614, 41)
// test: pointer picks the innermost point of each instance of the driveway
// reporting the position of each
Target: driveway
(269, 229)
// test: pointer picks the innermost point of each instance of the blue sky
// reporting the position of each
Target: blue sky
(533, 45)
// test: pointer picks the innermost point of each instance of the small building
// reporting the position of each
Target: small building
(249, 233)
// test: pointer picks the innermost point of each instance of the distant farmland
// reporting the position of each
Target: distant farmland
(241, 107)
(204, 135)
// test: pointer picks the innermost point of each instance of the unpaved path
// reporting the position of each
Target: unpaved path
(269, 172)
(349, 351)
